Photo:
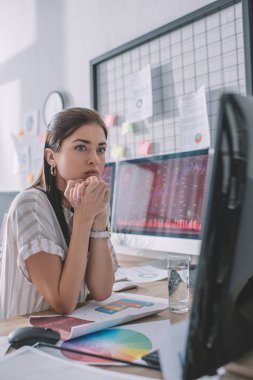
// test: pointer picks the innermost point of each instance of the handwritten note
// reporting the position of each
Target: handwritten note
(126, 128)
(117, 152)
(145, 147)
(110, 120)
(21, 132)
(42, 138)
(30, 177)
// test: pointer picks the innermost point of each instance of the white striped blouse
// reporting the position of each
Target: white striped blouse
(31, 227)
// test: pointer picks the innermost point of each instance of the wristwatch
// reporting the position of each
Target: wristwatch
(101, 234)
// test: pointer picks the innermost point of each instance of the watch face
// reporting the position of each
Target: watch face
(53, 104)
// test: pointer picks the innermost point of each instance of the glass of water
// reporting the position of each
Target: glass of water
(178, 283)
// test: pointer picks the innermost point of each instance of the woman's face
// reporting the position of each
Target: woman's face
(81, 155)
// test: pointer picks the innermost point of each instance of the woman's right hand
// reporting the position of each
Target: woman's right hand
(88, 199)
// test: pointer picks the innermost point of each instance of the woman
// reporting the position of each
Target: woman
(56, 247)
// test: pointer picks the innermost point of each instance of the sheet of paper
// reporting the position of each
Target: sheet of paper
(31, 123)
(139, 101)
(141, 274)
(32, 364)
(172, 352)
(129, 342)
(96, 316)
(172, 349)
(194, 124)
(22, 160)
(4, 345)
(119, 276)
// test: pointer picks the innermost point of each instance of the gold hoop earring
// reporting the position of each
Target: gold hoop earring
(53, 171)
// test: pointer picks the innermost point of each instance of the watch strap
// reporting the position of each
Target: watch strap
(101, 234)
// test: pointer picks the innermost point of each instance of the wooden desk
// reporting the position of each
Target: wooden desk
(154, 289)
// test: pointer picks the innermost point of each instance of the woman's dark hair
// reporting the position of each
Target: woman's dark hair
(62, 125)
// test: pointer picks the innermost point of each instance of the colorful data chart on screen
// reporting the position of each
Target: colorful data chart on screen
(164, 195)
(118, 343)
(122, 304)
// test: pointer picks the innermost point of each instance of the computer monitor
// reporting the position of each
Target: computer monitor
(109, 177)
(159, 200)
(221, 324)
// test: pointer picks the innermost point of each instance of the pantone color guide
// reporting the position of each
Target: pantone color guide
(119, 343)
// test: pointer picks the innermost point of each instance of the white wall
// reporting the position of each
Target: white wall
(47, 45)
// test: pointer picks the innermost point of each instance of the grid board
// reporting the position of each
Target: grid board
(207, 51)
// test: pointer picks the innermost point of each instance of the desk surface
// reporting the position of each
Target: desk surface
(155, 289)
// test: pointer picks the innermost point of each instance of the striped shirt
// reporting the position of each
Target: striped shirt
(31, 227)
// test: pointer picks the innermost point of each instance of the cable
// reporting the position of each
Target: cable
(41, 344)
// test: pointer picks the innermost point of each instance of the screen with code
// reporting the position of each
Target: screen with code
(109, 177)
(161, 195)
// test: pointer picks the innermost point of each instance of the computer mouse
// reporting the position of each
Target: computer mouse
(28, 336)
(123, 285)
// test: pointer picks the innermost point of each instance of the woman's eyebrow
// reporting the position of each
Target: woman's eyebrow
(88, 142)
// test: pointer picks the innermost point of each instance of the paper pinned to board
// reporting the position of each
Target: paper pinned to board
(194, 124)
(139, 100)
(22, 162)
(31, 125)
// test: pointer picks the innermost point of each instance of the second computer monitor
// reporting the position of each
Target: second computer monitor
(109, 177)
(161, 197)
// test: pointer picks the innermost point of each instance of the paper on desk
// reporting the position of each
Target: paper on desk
(119, 276)
(96, 316)
(172, 351)
(171, 354)
(4, 345)
(32, 364)
(142, 274)
(129, 342)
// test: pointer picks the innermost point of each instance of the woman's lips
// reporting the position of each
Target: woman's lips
(92, 173)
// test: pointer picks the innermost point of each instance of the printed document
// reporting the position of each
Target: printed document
(95, 316)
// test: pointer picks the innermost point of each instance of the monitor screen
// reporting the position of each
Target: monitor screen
(159, 201)
(221, 324)
(109, 177)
